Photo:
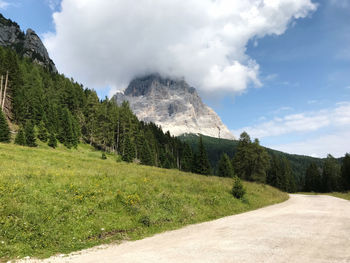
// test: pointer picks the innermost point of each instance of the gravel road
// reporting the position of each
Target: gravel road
(302, 229)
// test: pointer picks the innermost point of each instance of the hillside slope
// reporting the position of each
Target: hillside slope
(58, 201)
(215, 147)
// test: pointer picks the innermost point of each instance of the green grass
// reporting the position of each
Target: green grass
(345, 196)
(59, 201)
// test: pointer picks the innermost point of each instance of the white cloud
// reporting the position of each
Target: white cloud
(336, 144)
(4, 4)
(301, 123)
(107, 43)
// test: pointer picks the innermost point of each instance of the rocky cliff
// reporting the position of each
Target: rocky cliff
(173, 105)
(26, 44)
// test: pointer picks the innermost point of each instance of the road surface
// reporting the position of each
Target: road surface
(302, 229)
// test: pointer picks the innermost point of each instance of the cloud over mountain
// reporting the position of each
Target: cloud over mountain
(107, 43)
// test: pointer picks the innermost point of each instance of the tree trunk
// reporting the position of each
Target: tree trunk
(2, 80)
(3, 100)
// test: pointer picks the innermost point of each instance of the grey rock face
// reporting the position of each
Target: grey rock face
(28, 45)
(173, 105)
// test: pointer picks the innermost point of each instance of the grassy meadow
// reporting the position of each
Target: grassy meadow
(59, 201)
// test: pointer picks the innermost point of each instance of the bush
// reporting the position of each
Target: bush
(30, 134)
(104, 157)
(238, 190)
(52, 140)
(5, 135)
(145, 220)
(20, 137)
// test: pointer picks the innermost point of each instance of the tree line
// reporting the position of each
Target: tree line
(51, 108)
(252, 162)
(332, 176)
(46, 106)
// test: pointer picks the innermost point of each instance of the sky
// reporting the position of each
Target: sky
(278, 69)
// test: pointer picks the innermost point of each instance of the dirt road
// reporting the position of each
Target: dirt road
(303, 229)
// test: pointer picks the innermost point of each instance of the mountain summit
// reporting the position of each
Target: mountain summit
(173, 105)
(26, 44)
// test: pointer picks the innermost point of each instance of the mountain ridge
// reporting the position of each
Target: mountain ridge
(26, 44)
(174, 105)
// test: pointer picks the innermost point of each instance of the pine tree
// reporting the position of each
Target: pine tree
(313, 179)
(330, 175)
(345, 172)
(20, 137)
(238, 190)
(42, 132)
(260, 162)
(30, 134)
(251, 160)
(201, 162)
(225, 167)
(5, 135)
(242, 158)
(289, 180)
(146, 156)
(52, 140)
(128, 150)
(67, 130)
(186, 158)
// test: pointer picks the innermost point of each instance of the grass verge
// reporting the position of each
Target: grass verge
(345, 196)
(59, 201)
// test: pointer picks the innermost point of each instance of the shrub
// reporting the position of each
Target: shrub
(238, 190)
(145, 220)
(5, 135)
(42, 132)
(52, 140)
(30, 134)
(20, 137)
(104, 157)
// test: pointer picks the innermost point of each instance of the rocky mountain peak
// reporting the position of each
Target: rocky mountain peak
(172, 104)
(26, 44)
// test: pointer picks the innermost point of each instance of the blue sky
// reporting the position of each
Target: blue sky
(302, 103)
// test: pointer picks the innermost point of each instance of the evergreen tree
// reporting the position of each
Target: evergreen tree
(225, 167)
(290, 184)
(52, 140)
(260, 162)
(146, 156)
(42, 132)
(201, 162)
(128, 150)
(30, 134)
(20, 137)
(67, 130)
(345, 172)
(251, 161)
(187, 158)
(242, 158)
(280, 174)
(5, 135)
(313, 179)
(330, 175)
(238, 190)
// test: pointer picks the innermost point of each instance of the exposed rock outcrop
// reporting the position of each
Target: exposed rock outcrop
(27, 44)
(173, 105)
